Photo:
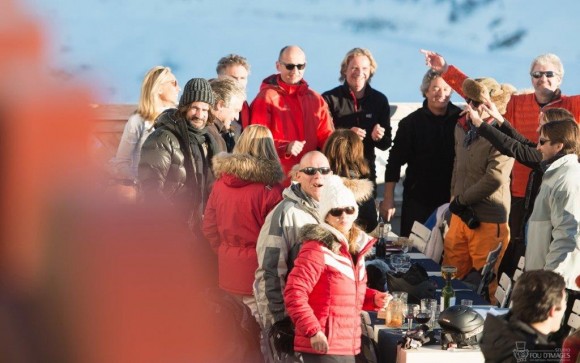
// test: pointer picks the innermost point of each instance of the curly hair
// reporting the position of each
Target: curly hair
(353, 53)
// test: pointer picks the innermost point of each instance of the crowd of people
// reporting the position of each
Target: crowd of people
(281, 193)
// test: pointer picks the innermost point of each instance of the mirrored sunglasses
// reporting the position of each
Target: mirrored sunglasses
(539, 74)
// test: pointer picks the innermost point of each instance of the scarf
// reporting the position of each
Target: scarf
(471, 132)
(200, 147)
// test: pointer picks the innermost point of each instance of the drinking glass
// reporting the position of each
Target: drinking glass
(412, 311)
(430, 305)
(400, 295)
(405, 263)
(423, 317)
(405, 243)
(448, 272)
(394, 313)
(396, 262)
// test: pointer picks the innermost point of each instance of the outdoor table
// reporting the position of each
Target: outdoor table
(387, 338)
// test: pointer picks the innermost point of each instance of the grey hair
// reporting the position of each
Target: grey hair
(427, 78)
(549, 58)
(226, 87)
(231, 60)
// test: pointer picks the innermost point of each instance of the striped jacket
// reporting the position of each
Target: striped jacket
(277, 247)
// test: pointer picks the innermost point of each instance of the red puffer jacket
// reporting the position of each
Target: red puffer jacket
(246, 190)
(292, 112)
(523, 113)
(326, 291)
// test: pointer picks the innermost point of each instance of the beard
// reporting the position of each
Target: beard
(198, 123)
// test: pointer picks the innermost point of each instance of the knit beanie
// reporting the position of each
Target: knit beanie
(335, 195)
(196, 90)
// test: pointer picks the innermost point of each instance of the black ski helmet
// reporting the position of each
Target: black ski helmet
(461, 325)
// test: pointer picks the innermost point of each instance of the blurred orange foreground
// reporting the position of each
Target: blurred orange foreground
(82, 279)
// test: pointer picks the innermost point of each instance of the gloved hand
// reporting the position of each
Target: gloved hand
(466, 213)
(455, 207)
(282, 336)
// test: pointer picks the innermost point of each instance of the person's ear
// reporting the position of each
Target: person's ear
(559, 146)
(552, 311)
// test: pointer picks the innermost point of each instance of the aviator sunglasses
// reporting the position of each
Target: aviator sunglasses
(312, 171)
(539, 74)
(337, 212)
(290, 66)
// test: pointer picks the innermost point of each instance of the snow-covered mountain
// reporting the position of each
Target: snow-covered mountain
(114, 42)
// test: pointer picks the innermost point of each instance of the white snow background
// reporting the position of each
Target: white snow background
(112, 43)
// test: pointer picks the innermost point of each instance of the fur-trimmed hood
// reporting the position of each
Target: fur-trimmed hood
(332, 238)
(248, 168)
(361, 188)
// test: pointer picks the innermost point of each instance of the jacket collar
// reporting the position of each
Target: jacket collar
(248, 168)
(275, 81)
(346, 89)
(556, 161)
(332, 238)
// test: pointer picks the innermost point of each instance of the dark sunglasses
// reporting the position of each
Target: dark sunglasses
(312, 171)
(539, 74)
(473, 102)
(290, 66)
(543, 141)
(337, 212)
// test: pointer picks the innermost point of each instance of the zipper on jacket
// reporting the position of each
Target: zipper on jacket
(355, 103)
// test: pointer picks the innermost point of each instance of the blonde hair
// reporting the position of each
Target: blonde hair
(257, 141)
(150, 91)
(353, 53)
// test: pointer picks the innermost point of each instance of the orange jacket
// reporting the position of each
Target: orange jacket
(523, 113)
(292, 112)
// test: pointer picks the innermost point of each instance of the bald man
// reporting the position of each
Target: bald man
(297, 116)
(278, 246)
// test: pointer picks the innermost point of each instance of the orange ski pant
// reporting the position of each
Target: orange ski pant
(467, 248)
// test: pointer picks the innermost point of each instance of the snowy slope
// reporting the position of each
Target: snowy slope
(113, 43)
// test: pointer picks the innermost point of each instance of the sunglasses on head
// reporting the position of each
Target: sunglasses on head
(542, 141)
(312, 171)
(337, 212)
(290, 66)
(539, 74)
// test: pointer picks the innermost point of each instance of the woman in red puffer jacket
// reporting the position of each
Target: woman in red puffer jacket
(326, 289)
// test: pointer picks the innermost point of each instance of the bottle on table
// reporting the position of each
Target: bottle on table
(447, 293)
(381, 245)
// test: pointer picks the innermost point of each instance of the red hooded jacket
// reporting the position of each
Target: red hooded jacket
(292, 112)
